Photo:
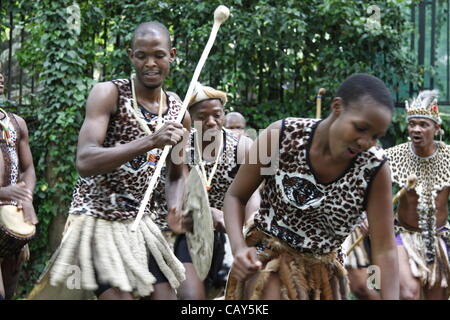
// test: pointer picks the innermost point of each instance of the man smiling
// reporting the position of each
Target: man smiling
(128, 123)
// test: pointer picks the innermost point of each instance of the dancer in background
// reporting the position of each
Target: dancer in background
(422, 228)
(235, 122)
(219, 152)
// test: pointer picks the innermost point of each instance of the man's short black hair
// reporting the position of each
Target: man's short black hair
(361, 84)
(149, 27)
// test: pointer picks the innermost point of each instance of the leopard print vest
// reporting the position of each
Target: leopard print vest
(433, 175)
(10, 154)
(308, 215)
(117, 195)
(226, 169)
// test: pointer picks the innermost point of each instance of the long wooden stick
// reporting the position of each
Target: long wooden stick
(220, 15)
(412, 180)
(321, 92)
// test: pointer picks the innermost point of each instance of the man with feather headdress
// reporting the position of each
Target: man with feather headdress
(422, 227)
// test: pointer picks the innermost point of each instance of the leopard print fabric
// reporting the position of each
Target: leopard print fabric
(158, 202)
(433, 175)
(434, 170)
(226, 169)
(308, 215)
(10, 155)
(117, 195)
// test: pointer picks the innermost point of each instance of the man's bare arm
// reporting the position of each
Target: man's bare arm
(28, 174)
(381, 227)
(27, 171)
(92, 157)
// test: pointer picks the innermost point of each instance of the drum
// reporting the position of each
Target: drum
(201, 240)
(15, 233)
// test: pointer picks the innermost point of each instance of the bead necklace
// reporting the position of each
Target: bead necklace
(151, 157)
(5, 122)
(208, 180)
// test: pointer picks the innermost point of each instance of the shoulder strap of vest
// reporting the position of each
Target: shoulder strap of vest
(16, 126)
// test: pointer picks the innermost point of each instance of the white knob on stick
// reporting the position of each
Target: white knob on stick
(221, 14)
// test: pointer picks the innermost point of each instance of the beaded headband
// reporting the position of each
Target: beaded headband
(202, 93)
(424, 106)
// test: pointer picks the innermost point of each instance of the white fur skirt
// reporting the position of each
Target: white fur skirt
(109, 252)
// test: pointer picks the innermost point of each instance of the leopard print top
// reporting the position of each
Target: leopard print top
(226, 169)
(308, 215)
(158, 202)
(10, 155)
(117, 195)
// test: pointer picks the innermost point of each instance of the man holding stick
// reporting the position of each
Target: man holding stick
(127, 123)
(219, 153)
(422, 228)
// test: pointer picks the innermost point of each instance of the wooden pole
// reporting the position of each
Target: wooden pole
(321, 92)
(412, 180)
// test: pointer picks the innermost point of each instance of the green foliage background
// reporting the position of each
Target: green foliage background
(270, 56)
